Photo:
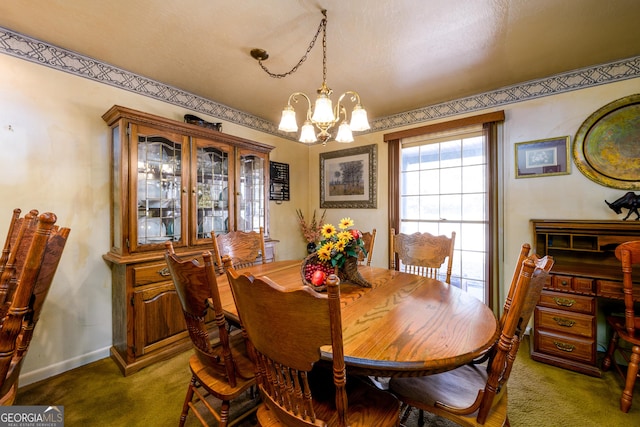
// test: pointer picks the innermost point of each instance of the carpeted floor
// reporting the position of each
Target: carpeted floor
(539, 396)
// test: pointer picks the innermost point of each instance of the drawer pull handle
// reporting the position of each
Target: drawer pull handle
(564, 347)
(164, 272)
(561, 321)
(565, 302)
(564, 283)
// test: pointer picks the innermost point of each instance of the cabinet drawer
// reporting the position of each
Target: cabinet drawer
(145, 274)
(565, 322)
(573, 284)
(569, 302)
(566, 346)
(612, 289)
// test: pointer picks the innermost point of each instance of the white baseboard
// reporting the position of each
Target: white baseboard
(58, 368)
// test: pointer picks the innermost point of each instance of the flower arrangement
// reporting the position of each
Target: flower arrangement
(311, 231)
(336, 246)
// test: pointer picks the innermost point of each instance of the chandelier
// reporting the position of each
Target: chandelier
(322, 116)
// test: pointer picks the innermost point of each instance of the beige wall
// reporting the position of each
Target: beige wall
(55, 158)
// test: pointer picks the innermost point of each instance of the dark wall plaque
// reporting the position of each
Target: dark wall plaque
(279, 186)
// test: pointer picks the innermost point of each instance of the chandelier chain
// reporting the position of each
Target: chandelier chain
(322, 27)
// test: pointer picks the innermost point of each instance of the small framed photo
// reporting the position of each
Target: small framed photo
(543, 157)
(348, 178)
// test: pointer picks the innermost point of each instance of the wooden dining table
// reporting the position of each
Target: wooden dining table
(403, 325)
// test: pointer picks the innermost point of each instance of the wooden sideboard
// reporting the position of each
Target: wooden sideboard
(586, 278)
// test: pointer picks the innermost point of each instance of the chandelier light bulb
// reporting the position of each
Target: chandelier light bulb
(288, 122)
(323, 111)
(308, 133)
(359, 121)
(344, 133)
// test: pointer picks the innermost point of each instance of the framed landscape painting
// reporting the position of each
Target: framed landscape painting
(348, 178)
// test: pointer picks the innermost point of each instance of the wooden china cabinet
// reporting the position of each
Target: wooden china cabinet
(180, 182)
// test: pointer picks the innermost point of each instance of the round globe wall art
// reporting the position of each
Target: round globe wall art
(606, 147)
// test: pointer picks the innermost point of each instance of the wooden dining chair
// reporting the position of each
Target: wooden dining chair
(36, 258)
(287, 329)
(474, 394)
(245, 248)
(222, 368)
(625, 340)
(369, 239)
(422, 253)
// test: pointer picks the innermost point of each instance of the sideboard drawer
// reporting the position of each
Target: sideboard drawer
(573, 284)
(565, 322)
(569, 302)
(562, 283)
(565, 346)
(144, 274)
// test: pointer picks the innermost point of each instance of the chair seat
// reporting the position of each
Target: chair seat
(617, 323)
(457, 388)
(215, 382)
(368, 406)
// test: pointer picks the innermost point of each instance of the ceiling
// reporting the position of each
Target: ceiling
(399, 55)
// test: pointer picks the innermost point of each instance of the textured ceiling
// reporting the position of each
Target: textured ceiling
(399, 55)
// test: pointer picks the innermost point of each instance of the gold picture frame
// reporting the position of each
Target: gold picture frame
(543, 157)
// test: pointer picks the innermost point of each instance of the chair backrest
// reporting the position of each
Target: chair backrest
(287, 327)
(629, 254)
(243, 247)
(369, 239)
(421, 253)
(197, 289)
(528, 283)
(18, 242)
(37, 266)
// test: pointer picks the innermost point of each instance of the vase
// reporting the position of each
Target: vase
(349, 273)
(311, 247)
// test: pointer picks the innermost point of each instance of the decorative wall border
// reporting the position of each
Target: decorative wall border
(29, 49)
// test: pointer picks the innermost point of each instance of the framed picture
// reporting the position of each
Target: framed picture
(543, 157)
(348, 178)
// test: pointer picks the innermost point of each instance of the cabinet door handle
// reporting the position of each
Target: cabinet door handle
(164, 272)
(564, 347)
(561, 321)
(565, 302)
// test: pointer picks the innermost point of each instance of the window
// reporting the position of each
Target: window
(443, 189)
(446, 177)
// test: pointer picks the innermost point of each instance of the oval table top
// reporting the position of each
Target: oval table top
(404, 325)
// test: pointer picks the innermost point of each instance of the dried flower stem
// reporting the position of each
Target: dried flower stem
(311, 231)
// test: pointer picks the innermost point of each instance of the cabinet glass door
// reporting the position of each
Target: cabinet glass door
(158, 188)
(212, 171)
(251, 191)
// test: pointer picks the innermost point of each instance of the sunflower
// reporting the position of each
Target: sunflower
(345, 223)
(328, 231)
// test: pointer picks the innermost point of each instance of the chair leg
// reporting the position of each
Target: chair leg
(632, 373)
(606, 362)
(224, 413)
(187, 400)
